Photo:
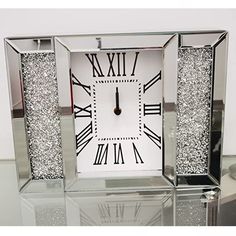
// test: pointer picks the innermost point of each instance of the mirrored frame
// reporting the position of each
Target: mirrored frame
(171, 43)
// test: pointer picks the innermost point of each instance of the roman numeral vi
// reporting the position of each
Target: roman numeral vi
(118, 154)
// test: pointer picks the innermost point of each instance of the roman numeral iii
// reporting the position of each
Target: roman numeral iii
(152, 109)
(154, 137)
(83, 138)
(151, 82)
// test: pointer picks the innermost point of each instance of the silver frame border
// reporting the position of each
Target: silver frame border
(178, 35)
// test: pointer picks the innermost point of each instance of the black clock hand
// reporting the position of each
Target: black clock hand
(117, 109)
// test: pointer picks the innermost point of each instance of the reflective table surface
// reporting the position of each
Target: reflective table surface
(161, 207)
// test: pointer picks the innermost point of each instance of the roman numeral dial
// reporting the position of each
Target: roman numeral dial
(117, 107)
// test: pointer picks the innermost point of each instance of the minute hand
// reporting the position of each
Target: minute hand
(117, 109)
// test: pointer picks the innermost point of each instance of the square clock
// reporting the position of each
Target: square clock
(114, 85)
(119, 111)
(117, 105)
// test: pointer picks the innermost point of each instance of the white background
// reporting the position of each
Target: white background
(49, 22)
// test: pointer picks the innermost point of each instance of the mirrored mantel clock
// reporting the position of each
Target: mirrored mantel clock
(127, 111)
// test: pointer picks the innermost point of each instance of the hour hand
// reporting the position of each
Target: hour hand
(117, 109)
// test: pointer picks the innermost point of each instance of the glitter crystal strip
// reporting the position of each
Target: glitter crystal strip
(50, 215)
(42, 115)
(191, 213)
(193, 110)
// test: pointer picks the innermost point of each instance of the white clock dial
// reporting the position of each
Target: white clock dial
(117, 99)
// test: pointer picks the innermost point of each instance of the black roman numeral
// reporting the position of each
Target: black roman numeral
(111, 69)
(111, 57)
(118, 154)
(123, 57)
(154, 137)
(105, 211)
(137, 209)
(151, 82)
(152, 109)
(86, 88)
(116, 64)
(137, 155)
(120, 210)
(155, 220)
(97, 70)
(86, 219)
(83, 111)
(135, 62)
(101, 155)
(83, 138)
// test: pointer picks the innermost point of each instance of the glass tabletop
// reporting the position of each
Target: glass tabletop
(161, 207)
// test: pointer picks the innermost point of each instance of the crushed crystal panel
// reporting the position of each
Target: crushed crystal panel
(193, 110)
(50, 215)
(42, 120)
(191, 213)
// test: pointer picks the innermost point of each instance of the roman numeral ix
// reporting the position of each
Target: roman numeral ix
(83, 111)
(151, 82)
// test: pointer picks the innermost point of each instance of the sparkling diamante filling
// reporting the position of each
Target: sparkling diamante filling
(193, 110)
(42, 118)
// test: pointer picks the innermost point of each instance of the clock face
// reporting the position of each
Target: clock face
(117, 101)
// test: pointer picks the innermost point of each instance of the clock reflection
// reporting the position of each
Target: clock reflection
(147, 208)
